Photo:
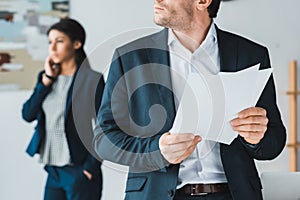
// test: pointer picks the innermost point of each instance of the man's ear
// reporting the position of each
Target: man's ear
(77, 44)
(203, 4)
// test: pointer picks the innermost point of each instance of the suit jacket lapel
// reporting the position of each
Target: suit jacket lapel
(70, 95)
(158, 53)
(159, 42)
(69, 100)
(228, 50)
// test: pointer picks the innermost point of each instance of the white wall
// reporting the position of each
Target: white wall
(104, 19)
(270, 22)
(21, 176)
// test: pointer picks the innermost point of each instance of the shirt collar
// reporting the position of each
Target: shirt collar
(210, 37)
(171, 37)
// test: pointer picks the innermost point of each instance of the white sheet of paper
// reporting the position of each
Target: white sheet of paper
(207, 107)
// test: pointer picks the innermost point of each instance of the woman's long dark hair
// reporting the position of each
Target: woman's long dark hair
(75, 32)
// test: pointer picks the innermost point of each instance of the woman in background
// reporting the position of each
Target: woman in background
(65, 100)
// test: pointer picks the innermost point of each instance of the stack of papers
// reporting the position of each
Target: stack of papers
(210, 102)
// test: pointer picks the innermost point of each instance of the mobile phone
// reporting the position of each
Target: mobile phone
(54, 65)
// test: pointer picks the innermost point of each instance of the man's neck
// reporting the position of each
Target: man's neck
(193, 37)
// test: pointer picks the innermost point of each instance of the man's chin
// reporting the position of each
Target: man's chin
(160, 23)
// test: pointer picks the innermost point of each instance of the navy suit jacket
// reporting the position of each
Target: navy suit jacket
(138, 107)
(83, 101)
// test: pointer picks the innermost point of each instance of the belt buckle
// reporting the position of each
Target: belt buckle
(193, 193)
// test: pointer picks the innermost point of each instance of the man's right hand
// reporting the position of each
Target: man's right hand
(177, 147)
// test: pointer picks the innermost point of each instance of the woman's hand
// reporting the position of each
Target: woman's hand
(88, 174)
(50, 72)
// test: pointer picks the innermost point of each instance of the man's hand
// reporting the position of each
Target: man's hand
(177, 147)
(251, 124)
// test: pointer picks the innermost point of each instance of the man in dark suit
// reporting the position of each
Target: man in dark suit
(140, 101)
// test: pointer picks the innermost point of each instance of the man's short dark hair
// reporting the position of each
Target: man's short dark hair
(213, 8)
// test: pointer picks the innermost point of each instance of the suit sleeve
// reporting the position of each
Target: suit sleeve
(113, 143)
(33, 105)
(274, 139)
(92, 163)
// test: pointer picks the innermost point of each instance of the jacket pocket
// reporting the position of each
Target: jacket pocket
(136, 183)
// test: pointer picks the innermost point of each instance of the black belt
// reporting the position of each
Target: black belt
(202, 189)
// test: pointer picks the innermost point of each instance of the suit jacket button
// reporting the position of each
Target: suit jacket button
(171, 193)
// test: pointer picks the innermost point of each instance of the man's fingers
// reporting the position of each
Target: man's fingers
(257, 111)
(177, 138)
(251, 135)
(250, 128)
(250, 120)
(189, 150)
(179, 147)
(251, 124)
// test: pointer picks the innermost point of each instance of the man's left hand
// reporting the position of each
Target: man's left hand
(251, 124)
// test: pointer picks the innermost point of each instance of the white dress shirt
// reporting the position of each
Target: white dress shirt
(204, 164)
